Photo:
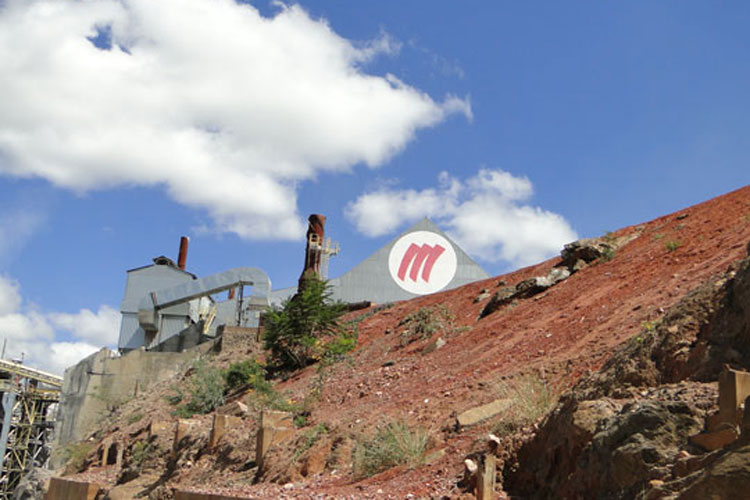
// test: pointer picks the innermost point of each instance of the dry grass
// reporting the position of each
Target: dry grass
(393, 444)
(532, 398)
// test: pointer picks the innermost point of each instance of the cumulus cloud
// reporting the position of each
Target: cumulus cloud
(101, 327)
(226, 109)
(488, 215)
(36, 335)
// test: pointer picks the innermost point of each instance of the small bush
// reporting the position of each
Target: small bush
(424, 322)
(336, 349)
(295, 333)
(204, 390)
(393, 444)
(672, 245)
(243, 373)
(531, 399)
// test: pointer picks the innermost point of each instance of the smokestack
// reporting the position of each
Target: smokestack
(314, 248)
(182, 258)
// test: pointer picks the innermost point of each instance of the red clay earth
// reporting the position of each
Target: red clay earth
(562, 334)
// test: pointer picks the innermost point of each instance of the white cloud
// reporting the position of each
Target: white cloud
(101, 327)
(36, 335)
(66, 354)
(226, 109)
(486, 215)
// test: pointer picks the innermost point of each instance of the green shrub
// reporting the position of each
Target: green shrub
(531, 398)
(295, 333)
(337, 348)
(243, 373)
(393, 444)
(204, 390)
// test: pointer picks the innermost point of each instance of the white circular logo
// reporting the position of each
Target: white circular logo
(422, 262)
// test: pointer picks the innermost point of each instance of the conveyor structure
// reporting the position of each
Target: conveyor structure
(29, 399)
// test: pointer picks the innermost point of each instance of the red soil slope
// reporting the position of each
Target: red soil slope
(562, 333)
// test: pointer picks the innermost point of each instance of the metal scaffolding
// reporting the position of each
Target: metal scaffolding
(29, 400)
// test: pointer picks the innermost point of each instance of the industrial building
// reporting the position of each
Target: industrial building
(166, 308)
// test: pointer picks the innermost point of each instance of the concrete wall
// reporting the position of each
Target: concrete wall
(103, 380)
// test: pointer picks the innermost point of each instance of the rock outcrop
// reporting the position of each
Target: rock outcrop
(624, 432)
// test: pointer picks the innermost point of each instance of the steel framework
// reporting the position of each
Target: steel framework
(29, 399)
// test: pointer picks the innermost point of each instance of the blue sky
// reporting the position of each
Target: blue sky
(515, 126)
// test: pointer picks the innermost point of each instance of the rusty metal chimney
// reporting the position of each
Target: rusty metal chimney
(182, 258)
(314, 247)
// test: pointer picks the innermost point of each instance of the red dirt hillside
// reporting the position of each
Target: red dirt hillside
(561, 334)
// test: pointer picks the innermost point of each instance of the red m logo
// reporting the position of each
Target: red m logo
(417, 255)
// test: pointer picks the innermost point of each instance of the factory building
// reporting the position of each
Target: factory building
(166, 308)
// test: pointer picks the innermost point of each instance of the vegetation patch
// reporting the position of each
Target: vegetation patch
(531, 396)
(306, 328)
(140, 453)
(672, 245)
(135, 417)
(394, 444)
(424, 322)
(77, 454)
(204, 390)
(243, 373)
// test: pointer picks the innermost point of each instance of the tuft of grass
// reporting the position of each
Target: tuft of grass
(424, 322)
(77, 454)
(135, 417)
(607, 255)
(531, 397)
(142, 452)
(672, 245)
(658, 236)
(650, 326)
(393, 444)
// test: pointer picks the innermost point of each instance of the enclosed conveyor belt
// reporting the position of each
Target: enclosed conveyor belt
(30, 373)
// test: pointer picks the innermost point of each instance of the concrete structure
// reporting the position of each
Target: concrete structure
(420, 261)
(67, 489)
(275, 427)
(105, 379)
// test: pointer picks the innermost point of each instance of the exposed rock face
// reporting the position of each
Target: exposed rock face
(606, 448)
(620, 432)
(587, 250)
(524, 290)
